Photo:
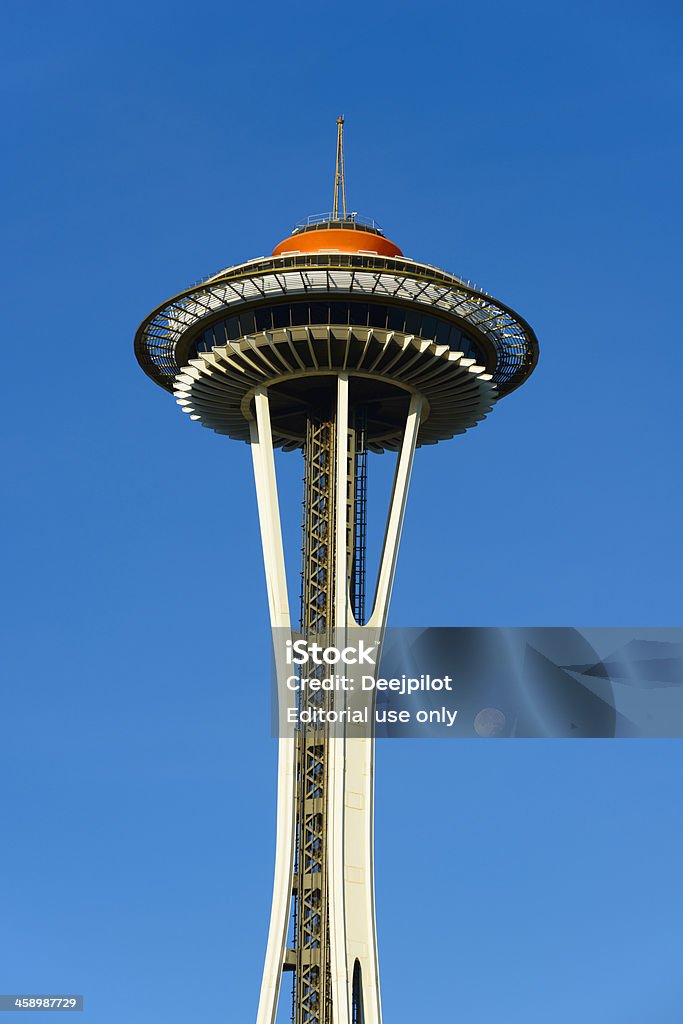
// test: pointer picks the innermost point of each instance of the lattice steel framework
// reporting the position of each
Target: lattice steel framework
(360, 517)
(312, 1003)
(318, 545)
(310, 957)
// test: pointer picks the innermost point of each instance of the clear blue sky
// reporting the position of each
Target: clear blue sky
(534, 148)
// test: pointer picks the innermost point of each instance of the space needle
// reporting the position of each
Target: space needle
(335, 345)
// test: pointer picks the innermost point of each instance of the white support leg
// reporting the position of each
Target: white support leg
(397, 508)
(359, 774)
(269, 512)
(276, 584)
(337, 755)
(342, 609)
(353, 930)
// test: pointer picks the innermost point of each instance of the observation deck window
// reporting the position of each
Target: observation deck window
(383, 316)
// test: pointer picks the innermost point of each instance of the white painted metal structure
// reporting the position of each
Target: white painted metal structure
(353, 934)
(418, 356)
(217, 387)
(161, 342)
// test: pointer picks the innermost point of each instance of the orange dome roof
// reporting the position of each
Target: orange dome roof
(338, 239)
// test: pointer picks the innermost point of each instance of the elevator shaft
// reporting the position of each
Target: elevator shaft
(312, 994)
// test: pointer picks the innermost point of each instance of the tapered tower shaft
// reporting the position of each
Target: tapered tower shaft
(324, 853)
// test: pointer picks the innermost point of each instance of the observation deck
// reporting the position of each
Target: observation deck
(336, 295)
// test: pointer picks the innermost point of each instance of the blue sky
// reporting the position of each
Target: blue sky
(530, 147)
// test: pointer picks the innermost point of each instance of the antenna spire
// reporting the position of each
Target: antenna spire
(339, 186)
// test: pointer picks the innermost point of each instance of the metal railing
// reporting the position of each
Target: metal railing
(351, 220)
